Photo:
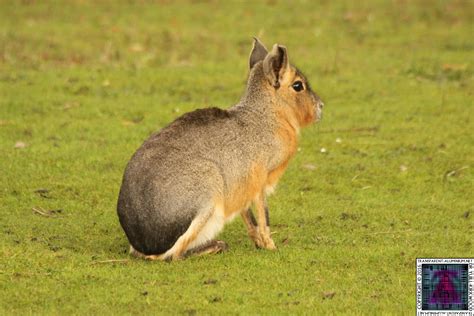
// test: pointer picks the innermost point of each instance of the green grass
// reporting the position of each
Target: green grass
(82, 85)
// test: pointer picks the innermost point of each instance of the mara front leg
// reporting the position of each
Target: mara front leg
(264, 222)
(252, 228)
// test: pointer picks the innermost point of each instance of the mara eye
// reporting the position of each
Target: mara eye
(298, 86)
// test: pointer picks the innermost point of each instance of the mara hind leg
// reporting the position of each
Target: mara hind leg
(137, 254)
(203, 228)
(211, 247)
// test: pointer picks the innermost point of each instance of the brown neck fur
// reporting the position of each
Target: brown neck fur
(257, 93)
(261, 105)
(260, 97)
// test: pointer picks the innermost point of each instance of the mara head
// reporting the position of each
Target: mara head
(286, 83)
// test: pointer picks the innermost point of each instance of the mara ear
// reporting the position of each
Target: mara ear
(258, 53)
(276, 65)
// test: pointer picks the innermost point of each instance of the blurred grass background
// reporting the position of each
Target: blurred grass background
(385, 178)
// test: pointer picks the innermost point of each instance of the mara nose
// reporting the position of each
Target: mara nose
(320, 104)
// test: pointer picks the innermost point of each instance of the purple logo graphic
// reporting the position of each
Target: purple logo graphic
(445, 292)
(445, 286)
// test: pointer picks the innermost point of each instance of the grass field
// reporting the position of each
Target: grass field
(83, 85)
